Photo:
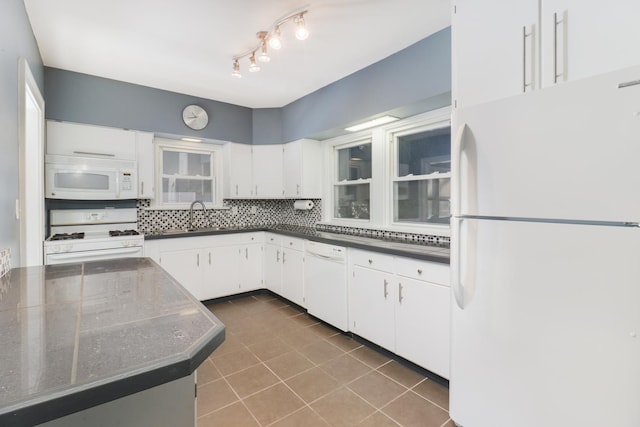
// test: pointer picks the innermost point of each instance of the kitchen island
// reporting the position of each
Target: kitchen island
(100, 343)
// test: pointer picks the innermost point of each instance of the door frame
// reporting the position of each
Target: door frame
(30, 205)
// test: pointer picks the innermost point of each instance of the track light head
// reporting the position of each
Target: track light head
(253, 67)
(302, 32)
(236, 69)
(275, 42)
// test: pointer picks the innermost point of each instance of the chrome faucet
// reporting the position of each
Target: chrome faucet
(204, 209)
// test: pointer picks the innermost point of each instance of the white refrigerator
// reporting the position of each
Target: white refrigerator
(545, 257)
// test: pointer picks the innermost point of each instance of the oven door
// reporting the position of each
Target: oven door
(97, 255)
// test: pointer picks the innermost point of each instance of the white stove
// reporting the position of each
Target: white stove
(79, 235)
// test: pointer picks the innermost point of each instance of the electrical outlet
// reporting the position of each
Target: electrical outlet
(234, 210)
(254, 210)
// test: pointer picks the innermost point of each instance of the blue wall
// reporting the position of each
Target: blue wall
(16, 40)
(414, 75)
(83, 98)
(419, 73)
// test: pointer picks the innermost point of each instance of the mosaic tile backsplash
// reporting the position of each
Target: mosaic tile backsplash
(267, 213)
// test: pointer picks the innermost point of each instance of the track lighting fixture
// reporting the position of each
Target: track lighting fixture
(271, 38)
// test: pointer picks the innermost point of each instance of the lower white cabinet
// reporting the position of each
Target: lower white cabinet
(272, 267)
(371, 306)
(284, 267)
(211, 266)
(402, 305)
(293, 273)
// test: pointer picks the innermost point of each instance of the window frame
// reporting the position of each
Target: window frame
(393, 177)
(384, 158)
(215, 152)
(360, 139)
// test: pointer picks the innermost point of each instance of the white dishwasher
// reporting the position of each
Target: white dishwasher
(325, 281)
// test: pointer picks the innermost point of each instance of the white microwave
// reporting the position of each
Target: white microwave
(84, 178)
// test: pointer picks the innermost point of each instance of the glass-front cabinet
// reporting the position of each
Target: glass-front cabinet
(421, 182)
(352, 185)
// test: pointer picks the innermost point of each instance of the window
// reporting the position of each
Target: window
(422, 176)
(187, 172)
(353, 175)
(396, 176)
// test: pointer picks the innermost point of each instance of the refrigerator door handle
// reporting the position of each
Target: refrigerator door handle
(456, 279)
(456, 179)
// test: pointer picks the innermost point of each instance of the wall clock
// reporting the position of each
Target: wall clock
(195, 117)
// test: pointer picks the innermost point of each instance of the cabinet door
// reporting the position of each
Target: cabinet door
(371, 306)
(238, 171)
(75, 139)
(146, 165)
(184, 266)
(293, 276)
(273, 268)
(250, 267)
(422, 324)
(292, 181)
(221, 271)
(267, 171)
(589, 37)
(303, 161)
(492, 58)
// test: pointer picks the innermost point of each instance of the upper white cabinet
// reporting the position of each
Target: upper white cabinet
(277, 171)
(503, 48)
(74, 139)
(493, 52)
(303, 169)
(267, 164)
(238, 176)
(146, 163)
(585, 38)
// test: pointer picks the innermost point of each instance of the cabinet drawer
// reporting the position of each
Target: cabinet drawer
(373, 260)
(292, 243)
(423, 270)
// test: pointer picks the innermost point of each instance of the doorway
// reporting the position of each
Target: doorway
(30, 206)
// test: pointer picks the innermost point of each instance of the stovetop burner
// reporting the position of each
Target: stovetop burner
(67, 236)
(115, 233)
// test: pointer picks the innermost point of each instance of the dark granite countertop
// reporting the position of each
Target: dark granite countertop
(412, 250)
(78, 335)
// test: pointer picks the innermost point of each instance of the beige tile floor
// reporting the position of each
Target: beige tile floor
(281, 367)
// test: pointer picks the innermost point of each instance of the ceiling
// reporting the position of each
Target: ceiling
(187, 46)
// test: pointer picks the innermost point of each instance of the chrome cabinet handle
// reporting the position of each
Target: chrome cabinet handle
(298, 189)
(209, 258)
(94, 154)
(283, 254)
(236, 189)
(142, 187)
(246, 253)
(386, 292)
(277, 256)
(198, 260)
(400, 298)
(524, 59)
(256, 190)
